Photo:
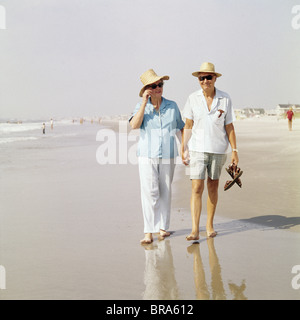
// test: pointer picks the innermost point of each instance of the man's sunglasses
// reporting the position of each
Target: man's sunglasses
(154, 86)
(209, 77)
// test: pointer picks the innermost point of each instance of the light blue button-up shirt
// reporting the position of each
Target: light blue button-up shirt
(158, 130)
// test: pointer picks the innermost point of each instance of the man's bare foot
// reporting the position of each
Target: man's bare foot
(211, 234)
(193, 236)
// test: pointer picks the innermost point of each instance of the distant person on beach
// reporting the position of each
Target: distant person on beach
(51, 124)
(44, 128)
(159, 120)
(207, 133)
(290, 116)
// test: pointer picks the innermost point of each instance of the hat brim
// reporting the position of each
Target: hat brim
(197, 73)
(154, 80)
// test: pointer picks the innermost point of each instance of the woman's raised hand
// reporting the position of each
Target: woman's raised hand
(147, 93)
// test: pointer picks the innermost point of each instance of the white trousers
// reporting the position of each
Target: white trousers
(156, 176)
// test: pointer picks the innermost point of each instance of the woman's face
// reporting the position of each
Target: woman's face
(156, 89)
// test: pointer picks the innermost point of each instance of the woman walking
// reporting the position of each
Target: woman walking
(159, 120)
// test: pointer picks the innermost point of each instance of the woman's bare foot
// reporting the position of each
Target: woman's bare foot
(163, 234)
(147, 239)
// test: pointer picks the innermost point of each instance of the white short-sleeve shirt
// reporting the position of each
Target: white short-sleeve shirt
(208, 132)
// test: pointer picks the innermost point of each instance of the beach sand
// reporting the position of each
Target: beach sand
(70, 227)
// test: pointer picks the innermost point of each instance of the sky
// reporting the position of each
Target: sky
(72, 58)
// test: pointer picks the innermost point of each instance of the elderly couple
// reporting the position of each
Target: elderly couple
(206, 136)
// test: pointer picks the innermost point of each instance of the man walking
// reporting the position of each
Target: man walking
(207, 134)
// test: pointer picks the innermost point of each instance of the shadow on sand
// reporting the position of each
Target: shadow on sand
(264, 223)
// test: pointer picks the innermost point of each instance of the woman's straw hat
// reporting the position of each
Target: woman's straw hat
(150, 77)
(206, 67)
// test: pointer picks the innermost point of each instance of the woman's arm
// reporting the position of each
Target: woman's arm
(138, 118)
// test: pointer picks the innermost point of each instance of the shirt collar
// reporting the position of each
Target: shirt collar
(162, 105)
(219, 94)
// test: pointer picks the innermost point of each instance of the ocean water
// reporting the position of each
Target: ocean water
(33, 130)
(23, 145)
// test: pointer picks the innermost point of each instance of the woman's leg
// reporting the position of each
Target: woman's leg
(148, 171)
(166, 174)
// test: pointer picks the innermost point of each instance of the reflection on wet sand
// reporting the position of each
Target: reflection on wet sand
(217, 286)
(238, 291)
(161, 284)
(159, 275)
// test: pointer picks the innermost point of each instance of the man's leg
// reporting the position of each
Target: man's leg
(212, 200)
(196, 206)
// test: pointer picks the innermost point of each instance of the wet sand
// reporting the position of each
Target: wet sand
(70, 227)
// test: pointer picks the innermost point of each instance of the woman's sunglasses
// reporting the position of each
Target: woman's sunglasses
(209, 77)
(154, 86)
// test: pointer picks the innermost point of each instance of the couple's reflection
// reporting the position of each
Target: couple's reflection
(217, 287)
(159, 275)
(217, 291)
(160, 278)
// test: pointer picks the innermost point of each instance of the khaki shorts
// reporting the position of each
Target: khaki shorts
(200, 162)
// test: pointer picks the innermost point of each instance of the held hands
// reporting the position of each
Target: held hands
(185, 155)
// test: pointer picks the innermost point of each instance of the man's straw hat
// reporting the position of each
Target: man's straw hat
(150, 77)
(208, 68)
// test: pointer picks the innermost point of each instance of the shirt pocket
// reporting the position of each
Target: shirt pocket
(219, 118)
(220, 115)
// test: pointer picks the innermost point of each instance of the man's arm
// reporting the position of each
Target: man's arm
(232, 140)
(186, 135)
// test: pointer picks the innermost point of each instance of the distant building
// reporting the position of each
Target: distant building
(271, 112)
(239, 114)
(253, 112)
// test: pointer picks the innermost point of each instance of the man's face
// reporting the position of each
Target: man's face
(207, 80)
